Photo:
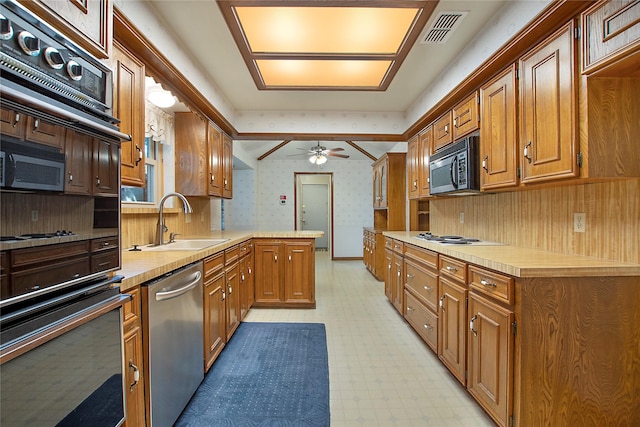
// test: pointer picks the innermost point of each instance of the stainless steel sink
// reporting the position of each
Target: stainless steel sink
(186, 245)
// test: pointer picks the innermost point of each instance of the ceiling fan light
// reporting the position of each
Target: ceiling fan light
(321, 160)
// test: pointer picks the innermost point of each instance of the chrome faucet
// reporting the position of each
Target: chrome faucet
(163, 228)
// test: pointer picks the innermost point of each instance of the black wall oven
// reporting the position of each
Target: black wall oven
(61, 349)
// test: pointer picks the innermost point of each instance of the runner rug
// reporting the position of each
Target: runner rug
(269, 374)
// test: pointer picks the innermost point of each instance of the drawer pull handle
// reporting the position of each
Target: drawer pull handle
(428, 289)
(224, 296)
(409, 308)
(485, 165)
(472, 325)
(139, 159)
(428, 327)
(409, 276)
(36, 125)
(487, 283)
(441, 303)
(398, 273)
(16, 119)
(242, 277)
(449, 268)
(213, 178)
(525, 152)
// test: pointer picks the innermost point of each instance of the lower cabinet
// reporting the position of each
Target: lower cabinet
(133, 361)
(394, 277)
(232, 279)
(247, 278)
(452, 332)
(285, 272)
(215, 315)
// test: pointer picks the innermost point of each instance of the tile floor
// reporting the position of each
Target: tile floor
(381, 373)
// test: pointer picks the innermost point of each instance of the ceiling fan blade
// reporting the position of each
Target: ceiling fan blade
(344, 156)
(300, 154)
(335, 149)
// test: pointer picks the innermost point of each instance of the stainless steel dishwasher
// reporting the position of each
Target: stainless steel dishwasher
(174, 341)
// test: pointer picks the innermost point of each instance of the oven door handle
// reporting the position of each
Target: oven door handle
(454, 168)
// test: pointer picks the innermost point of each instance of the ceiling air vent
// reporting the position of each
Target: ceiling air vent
(442, 27)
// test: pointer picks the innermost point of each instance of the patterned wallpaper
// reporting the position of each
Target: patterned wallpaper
(256, 199)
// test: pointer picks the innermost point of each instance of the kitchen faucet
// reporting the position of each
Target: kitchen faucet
(163, 228)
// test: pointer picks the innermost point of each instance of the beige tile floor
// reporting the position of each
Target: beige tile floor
(381, 373)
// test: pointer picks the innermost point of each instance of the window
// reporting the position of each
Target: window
(153, 157)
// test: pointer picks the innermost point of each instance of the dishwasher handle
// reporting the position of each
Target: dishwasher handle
(162, 296)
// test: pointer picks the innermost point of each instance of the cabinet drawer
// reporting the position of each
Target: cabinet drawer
(442, 132)
(23, 258)
(423, 283)
(492, 284)
(131, 309)
(423, 320)
(465, 117)
(232, 254)
(245, 248)
(424, 256)
(398, 247)
(388, 243)
(48, 274)
(453, 268)
(104, 244)
(105, 260)
(213, 264)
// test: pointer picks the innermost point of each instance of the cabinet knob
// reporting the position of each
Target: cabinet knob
(485, 282)
(441, 303)
(525, 152)
(485, 164)
(212, 178)
(453, 269)
(275, 258)
(36, 125)
(289, 258)
(428, 327)
(97, 181)
(70, 177)
(428, 289)
(136, 374)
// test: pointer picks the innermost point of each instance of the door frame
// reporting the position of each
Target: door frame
(296, 175)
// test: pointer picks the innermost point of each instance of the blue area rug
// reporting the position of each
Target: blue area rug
(269, 374)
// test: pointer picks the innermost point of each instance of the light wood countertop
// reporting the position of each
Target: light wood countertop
(524, 262)
(141, 266)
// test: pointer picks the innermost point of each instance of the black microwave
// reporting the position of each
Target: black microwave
(29, 167)
(455, 169)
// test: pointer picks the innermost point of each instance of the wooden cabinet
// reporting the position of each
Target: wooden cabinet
(548, 113)
(105, 254)
(413, 181)
(106, 168)
(394, 276)
(388, 274)
(28, 128)
(89, 24)
(133, 361)
(204, 157)
(498, 131)
(247, 278)
(214, 318)
(227, 167)
(490, 350)
(421, 293)
(232, 279)
(442, 132)
(389, 192)
(425, 148)
(284, 273)
(129, 108)
(78, 150)
(452, 325)
(380, 171)
(611, 31)
(465, 116)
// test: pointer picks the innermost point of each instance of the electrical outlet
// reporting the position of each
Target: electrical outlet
(461, 217)
(34, 215)
(579, 222)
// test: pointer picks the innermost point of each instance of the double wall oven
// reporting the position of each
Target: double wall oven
(61, 351)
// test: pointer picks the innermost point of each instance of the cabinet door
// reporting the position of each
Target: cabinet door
(548, 140)
(398, 282)
(12, 123)
(491, 345)
(106, 163)
(134, 378)
(388, 278)
(465, 117)
(442, 132)
(128, 107)
(78, 165)
(498, 142)
(227, 167)
(251, 279)
(452, 333)
(424, 153)
(43, 132)
(214, 141)
(412, 169)
(191, 154)
(376, 187)
(268, 274)
(299, 278)
(215, 315)
(232, 277)
(382, 174)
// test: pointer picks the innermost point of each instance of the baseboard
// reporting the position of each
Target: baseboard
(347, 258)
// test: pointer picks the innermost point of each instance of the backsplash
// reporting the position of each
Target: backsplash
(54, 212)
(543, 218)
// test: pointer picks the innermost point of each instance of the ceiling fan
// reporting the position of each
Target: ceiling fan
(318, 154)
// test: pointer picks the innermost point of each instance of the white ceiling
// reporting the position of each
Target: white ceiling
(200, 28)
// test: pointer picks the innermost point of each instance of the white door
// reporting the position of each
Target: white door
(315, 211)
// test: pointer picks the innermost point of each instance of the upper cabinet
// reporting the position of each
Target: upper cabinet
(498, 131)
(611, 30)
(88, 23)
(413, 168)
(442, 131)
(548, 114)
(389, 177)
(425, 143)
(204, 157)
(465, 116)
(128, 106)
